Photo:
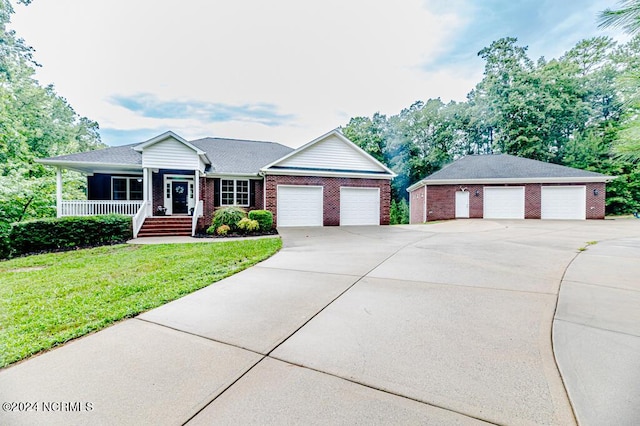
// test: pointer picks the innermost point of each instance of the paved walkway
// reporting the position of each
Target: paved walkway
(438, 324)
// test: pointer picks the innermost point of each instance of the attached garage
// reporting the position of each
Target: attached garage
(328, 182)
(563, 202)
(504, 202)
(299, 205)
(359, 206)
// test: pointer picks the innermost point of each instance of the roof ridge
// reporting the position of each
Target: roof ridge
(234, 139)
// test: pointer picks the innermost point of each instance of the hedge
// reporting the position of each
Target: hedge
(68, 233)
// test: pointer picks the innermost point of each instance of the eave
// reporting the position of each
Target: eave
(327, 173)
(93, 167)
(498, 181)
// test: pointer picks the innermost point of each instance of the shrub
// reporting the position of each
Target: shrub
(247, 226)
(69, 232)
(229, 216)
(224, 229)
(5, 243)
(264, 218)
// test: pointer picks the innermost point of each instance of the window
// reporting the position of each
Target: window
(119, 189)
(234, 192)
(126, 188)
(135, 189)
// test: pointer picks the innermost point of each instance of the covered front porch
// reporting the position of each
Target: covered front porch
(141, 195)
(159, 177)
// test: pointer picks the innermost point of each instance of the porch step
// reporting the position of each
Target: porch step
(166, 226)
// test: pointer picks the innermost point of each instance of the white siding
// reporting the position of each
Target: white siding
(170, 154)
(331, 153)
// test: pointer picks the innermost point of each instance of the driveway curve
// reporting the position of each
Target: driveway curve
(447, 323)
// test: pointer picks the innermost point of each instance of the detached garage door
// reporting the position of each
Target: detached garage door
(299, 205)
(564, 202)
(504, 202)
(359, 206)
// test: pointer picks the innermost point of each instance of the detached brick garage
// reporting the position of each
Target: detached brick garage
(507, 187)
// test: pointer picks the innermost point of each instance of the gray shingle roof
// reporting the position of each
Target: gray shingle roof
(239, 156)
(504, 166)
(226, 155)
(123, 154)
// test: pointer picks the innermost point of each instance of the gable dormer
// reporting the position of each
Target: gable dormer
(170, 151)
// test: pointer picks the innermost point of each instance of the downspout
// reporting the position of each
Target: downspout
(264, 189)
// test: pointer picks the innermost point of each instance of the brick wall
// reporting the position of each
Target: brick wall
(441, 201)
(331, 194)
(207, 194)
(157, 191)
(532, 200)
(417, 205)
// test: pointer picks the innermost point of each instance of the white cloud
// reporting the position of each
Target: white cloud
(318, 62)
(322, 62)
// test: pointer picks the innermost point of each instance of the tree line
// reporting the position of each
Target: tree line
(576, 110)
(35, 122)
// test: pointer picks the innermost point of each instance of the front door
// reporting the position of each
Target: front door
(179, 192)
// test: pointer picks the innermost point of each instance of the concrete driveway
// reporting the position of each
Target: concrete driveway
(450, 323)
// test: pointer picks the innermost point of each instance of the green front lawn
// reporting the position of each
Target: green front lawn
(48, 299)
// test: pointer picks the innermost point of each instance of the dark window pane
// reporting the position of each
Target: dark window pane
(135, 189)
(119, 189)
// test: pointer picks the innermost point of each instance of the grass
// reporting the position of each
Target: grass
(49, 299)
(589, 243)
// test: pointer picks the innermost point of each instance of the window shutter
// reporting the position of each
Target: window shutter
(252, 193)
(216, 192)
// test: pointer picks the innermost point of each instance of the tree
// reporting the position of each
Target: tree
(368, 134)
(627, 17)
(35, 122)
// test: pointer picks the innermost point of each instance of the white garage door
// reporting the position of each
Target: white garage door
(564, 202)
(504, 202)
(299, 205)
(359, 206)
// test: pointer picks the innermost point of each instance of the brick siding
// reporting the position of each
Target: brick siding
(207, 194)
(441, 201)
(331, 213)
(417, 205)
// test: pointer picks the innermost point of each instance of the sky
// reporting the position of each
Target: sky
(282, 70)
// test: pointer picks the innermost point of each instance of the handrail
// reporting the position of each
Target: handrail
(196, 214)
(138, 218)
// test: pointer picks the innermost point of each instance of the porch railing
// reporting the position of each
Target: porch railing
(99, 207)
(196, 214)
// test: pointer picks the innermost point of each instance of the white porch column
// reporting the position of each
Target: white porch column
(196, 189)
(146, 190)
(59, 191)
